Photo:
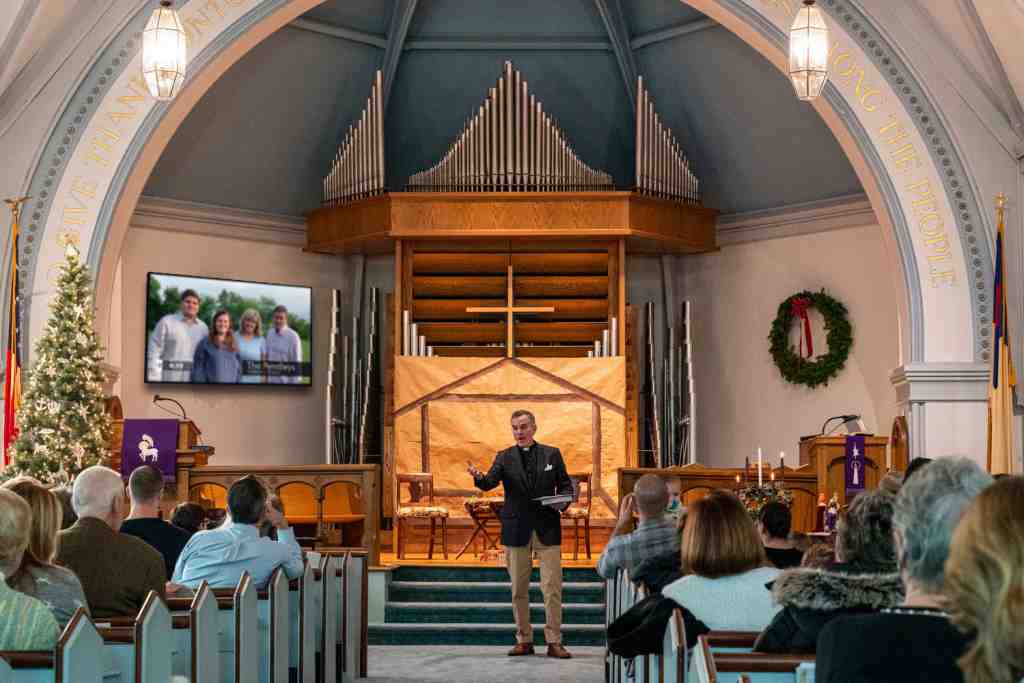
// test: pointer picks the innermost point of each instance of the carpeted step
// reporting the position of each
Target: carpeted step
(486, 591)
(478, 634)
(485, 613)
(448, 573)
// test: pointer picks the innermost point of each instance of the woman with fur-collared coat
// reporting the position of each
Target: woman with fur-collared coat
(862, 580)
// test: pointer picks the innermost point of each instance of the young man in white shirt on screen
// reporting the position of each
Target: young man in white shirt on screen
(173, 342)
(283, 346)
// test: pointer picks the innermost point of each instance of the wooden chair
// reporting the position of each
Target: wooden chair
(421, 487)
(579, 511)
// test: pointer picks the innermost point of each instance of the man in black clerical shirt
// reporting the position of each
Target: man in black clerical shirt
(527, 471)
(145, 488)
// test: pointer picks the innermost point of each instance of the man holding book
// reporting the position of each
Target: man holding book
(537, 489)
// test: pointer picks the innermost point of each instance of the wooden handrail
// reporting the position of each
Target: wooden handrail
(758, 662)
(115, 622)
(29, 659)
(732, 638)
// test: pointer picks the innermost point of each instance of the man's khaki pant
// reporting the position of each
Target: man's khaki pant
(519, 561)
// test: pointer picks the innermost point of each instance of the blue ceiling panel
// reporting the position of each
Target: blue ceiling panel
(370, 16)
(263, 135)
(503, 19)
(645, 16)
(583, 91)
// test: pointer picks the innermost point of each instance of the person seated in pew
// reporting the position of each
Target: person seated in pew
(915, 641)
(773, 524)
(863, 579)
(146, 488)
(25, 623)
(190, 517)
(219, 556)
(656, 535)
(725, 570)
(984, 581)
(117, 571)
(37, 575)
(267, 529)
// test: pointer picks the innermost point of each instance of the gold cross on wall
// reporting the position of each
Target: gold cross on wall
(510, 309)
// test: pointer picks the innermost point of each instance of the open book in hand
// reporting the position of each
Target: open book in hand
(557, 499)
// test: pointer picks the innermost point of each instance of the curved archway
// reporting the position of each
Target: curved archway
(108, 139)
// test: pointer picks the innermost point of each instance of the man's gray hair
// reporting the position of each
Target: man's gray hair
(95, 490)
(928, 508)
(527, 413)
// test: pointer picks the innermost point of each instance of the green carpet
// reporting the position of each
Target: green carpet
(473, 606)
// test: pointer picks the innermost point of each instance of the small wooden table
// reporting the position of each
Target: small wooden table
(484, 513)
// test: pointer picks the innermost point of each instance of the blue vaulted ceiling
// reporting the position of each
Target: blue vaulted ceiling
(264, 134)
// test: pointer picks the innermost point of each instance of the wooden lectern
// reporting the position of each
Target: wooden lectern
(190, 454)
(826, 456)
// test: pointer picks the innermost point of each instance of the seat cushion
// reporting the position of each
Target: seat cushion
(423, 511)
(577, 512)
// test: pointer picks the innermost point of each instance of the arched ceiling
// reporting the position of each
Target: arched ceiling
(263, 135)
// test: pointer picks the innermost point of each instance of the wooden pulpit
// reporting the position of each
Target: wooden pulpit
(826, 457)
(190, 453)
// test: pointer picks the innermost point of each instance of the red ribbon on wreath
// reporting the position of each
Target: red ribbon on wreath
(799, 306)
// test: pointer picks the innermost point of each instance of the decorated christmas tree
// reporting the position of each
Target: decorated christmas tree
(63, 427)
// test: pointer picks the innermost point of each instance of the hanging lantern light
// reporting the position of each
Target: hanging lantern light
(163, 52)
(808, 51)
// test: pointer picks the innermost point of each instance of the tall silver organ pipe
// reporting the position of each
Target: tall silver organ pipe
(357, 170)
(662, 169)
(510, 144)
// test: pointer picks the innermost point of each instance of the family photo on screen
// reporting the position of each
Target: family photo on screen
(211, 331)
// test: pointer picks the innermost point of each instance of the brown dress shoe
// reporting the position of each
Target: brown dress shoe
(558, 652)
(521, 649)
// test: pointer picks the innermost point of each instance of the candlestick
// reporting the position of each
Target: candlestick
(759, 479)
(746, 468)
(737, 482)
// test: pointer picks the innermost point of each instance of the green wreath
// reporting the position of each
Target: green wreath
(839, 336)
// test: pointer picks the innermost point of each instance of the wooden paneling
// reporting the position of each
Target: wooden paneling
(459, 263)
(455, 309)
(582, 285)
(559, 332)
(560, 351)
(468, 332)
(649, 224)
(466, 286)
(461, 333)
(561, 263)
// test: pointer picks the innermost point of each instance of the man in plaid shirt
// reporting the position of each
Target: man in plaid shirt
(656, 534)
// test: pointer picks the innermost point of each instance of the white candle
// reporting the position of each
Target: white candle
(759, 475)
(782, 460)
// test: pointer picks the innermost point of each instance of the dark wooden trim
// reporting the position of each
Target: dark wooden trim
(732, 638)
(29, 659)
(120, 634)
(448, 387)
(424, 438)
(578, 390)
(758, 662)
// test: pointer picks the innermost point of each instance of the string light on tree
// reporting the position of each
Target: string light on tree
(164, 52)
(808, 52)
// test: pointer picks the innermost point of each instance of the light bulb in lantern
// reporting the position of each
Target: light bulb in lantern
(808, 51)
(164, 53)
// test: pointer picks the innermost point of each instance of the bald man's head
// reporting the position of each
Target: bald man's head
(651, 495)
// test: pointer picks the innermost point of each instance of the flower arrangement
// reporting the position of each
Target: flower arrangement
(754, 497)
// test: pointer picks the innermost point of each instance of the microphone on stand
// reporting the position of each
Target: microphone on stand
(847, 419)
(157, 398)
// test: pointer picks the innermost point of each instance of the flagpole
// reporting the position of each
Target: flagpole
(1000, 442)
(12, 375)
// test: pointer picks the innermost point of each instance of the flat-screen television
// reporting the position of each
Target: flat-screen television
(202, 330)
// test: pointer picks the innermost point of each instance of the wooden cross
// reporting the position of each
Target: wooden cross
(510, 309)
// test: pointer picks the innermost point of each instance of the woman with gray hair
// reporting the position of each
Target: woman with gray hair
(915, 641)
(25, 623)
(862, 579)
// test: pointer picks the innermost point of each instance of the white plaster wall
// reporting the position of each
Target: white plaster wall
(247, 425)
(742, 399)
(956, 429)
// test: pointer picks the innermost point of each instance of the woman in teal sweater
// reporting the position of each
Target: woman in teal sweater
(25, 623)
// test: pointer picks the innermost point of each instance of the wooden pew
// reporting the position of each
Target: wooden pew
(670, 665)
(139, 653)
(326, 601)
(195, 655)
(302, 611)
(73, 660)
(273, 611)
(238, 646)
(351, 645)
(729, 652)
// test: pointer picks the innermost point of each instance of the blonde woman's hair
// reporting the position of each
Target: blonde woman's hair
(15, 519)
(46, 518)
(254, 315)
(985, 583)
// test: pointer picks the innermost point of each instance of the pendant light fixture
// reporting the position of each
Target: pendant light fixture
(163, 52)
(808, 52)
